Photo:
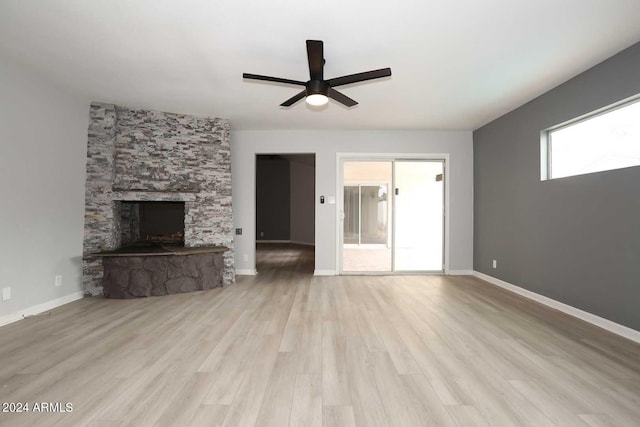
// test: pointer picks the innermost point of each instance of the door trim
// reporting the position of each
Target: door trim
(342, 157)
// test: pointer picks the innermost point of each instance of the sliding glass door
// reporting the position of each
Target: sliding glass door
(419, 215)
(392, 216)
(366, 220)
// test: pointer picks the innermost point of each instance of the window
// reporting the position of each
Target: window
(604, 140)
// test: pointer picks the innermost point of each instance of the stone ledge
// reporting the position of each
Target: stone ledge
(155, 196)
(160, 250)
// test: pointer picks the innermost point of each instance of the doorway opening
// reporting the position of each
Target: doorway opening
(392, 216)
(285, 212)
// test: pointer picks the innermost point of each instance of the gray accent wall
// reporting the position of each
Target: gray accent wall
(303, 186)
(575, 239)
(272, 198)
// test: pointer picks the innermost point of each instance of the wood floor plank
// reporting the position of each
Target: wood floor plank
(555, 411)
(467, 416)
(285, 347)
(368, 330)
(599, 420)
(306, 410)
(104, 424)
(432, 412)
(449, 392)
(187, 402)
(403, 360)
(292, 336)
(335, 380)
(310, 361)
(246, 405)
(399, 401)
(209, 416)
(338, 416)
(367, 403)
(278, 398)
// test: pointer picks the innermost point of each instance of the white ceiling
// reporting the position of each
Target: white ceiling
(456, 64)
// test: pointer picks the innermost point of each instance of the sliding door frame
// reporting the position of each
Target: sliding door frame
(392, 157)
(442, 218)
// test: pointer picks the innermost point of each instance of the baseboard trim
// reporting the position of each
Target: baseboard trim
(324, 273)
(460, 272)
(296, 242)
(246, 272)
(598, 321)
(39, 308)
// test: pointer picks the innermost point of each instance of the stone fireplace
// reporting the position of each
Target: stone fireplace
(154, 176)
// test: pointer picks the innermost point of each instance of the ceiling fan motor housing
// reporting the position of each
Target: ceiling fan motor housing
(318, 87)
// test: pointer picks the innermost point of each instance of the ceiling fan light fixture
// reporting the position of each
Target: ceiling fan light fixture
(317, 99)
(317, 90)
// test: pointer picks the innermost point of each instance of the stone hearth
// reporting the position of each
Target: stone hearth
(133, 276)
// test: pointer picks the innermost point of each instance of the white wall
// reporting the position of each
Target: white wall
(326, 144)
(43, 134)
(302, 218)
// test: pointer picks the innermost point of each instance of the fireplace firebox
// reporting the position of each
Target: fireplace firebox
(151, 223)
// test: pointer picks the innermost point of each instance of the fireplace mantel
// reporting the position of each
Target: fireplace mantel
(161, 250)
(154, 196)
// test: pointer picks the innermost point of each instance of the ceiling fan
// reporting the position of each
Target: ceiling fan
(318, 90)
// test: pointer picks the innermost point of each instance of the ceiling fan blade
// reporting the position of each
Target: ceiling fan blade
(289, 102)
(341, 98)
(315, 54)
(272, 79)
(360, 77)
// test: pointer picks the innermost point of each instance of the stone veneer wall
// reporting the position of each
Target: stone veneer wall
(139, 155)
(129, 222)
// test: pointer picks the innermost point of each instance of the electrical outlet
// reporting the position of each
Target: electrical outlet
(238, 231)
(58, 280)
(495, 263)
(245, 257)
(6, 293)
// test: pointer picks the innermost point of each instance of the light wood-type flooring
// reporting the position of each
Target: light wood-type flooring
(287, 348)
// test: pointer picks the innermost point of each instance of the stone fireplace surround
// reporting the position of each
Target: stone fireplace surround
(140, 155)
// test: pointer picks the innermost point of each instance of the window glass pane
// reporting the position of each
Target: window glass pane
(351, 214)
(367, 216)
(603, 142)
(419, 216)
(374, 212)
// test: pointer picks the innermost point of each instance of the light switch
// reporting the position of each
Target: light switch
(332, 200)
